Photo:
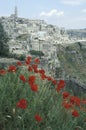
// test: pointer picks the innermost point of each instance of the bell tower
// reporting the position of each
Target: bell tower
(16, 12)
(15, 22)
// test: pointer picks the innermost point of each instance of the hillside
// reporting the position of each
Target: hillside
(77, 33)
(73, 61)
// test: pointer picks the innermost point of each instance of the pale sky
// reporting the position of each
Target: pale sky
(63, 13)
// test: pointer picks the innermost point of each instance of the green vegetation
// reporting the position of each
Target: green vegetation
(22, 37)
(36, 53)
(73, 61)
(4, 49)
(29, 102)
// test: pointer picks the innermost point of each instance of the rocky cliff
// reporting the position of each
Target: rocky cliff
(77, 33)
(73, 61)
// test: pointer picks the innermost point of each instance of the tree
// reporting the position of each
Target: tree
(79, 43)
(4, 48)
(36, 53)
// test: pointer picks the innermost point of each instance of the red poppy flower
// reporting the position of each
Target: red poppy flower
(36, 60)
(65, 94)
(42, 71)
(67, 105)
(60, 85)
(34, 87)
(35, 68)
(30, 68)
(22, 104)
(22, 77)
(49, 78)
(54, 81)
(2, 72)
(75, 100)
(43, 76)
(38, 118)
(19, 63)
(75, 113)
(31, 80)
(29, 58)
(12, 68)
(27, 62)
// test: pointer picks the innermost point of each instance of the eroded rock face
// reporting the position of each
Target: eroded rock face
(73, 61)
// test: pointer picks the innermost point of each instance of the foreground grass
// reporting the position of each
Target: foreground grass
(31, 100)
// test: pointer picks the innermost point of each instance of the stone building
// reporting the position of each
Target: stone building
(33, 34)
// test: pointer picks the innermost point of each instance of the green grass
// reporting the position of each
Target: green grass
(46, 102)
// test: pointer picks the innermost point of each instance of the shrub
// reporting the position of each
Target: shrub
(36, 53)
(16, 56)
(29, 102)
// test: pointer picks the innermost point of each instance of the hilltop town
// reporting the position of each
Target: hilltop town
(28, 34)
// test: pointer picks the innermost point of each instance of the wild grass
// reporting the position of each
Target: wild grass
(44, 100)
